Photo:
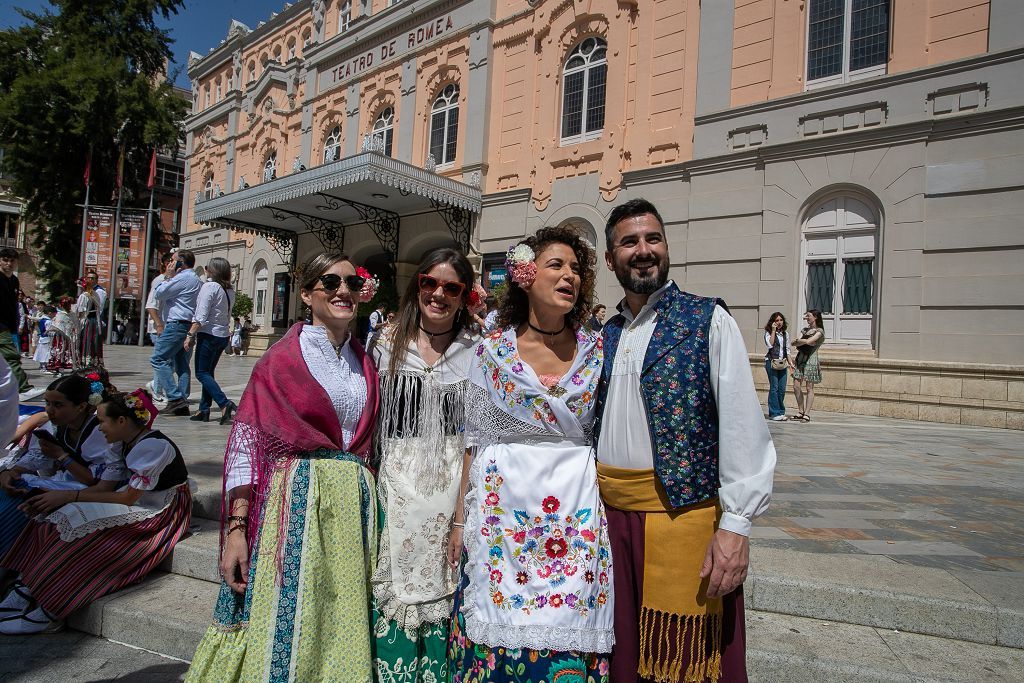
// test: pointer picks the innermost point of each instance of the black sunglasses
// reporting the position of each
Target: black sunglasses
(332, 282)
(452, 289)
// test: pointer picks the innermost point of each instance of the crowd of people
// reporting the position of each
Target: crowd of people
(543, 501)
(487, 491)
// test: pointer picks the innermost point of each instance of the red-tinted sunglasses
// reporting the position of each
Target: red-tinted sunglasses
(451, 288)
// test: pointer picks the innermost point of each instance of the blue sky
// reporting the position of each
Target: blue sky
(200, 25)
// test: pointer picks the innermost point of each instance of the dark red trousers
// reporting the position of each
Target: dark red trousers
(626, 531)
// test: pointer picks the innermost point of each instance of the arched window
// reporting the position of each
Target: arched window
(277, 54)
(270, 167)
(344, 16)
(291, 48)
(252, 71)
(444, 125)
(217, 96)
(259, 293)
(306, 39)
(208, 187)
(583, 90)
(839, 267)
(332, 145)
(384, 128)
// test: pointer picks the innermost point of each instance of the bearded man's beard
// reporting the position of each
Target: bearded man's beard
(643, 284)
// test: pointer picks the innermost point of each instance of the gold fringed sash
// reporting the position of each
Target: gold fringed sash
(678, 622)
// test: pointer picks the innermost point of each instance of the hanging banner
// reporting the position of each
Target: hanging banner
(98, 250)
(130, 256)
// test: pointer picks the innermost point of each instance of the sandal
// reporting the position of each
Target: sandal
(804, 417)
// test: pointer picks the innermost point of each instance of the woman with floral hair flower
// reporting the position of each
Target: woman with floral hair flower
(423, 361)
(85, 543)
(73, 457)
(300, 534)
(535, 602)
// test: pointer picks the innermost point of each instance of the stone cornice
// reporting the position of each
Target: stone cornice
(505, 197)
(867, 85)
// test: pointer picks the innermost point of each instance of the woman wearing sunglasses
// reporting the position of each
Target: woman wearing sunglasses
(423, 360)
(535, 600)
(299, 532)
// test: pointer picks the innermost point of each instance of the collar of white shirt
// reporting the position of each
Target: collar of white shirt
(655, 296)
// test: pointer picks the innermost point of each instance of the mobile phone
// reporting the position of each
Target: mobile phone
(44, 435)
(178, 265)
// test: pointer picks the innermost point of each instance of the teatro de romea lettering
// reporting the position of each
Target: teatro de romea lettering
(794, 171)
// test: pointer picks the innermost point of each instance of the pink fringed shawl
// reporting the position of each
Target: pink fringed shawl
(285, 413)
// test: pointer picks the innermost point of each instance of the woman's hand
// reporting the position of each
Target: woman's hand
(454, 550)
(45, 503)
(7, 479)
(234, 561)
(50, 449)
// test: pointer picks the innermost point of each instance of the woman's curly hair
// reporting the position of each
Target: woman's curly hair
(514, 308)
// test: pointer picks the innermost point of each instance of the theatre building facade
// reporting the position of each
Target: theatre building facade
(862, 157)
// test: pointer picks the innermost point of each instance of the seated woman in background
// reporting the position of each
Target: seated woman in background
(86, 543)
(73, 456)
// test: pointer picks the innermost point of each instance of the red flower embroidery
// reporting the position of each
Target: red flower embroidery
(588, 535)
(519, 537)
(556, 547)
(496, 576)
(492, 498)
(550, 504)
(555, 600)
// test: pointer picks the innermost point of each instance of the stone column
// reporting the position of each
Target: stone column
(408, 109)
(353, 139)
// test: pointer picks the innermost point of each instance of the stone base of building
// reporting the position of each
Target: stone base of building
(955, 393)
(259, 343)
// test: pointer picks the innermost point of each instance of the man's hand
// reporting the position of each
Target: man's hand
(172, 268)
(187, 343)
(725, 562)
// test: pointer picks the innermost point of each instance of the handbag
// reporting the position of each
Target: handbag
(779, 364)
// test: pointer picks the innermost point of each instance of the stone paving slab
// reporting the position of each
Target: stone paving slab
(74, 657)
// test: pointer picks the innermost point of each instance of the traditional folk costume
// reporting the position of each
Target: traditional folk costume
(421, 446)
(90, 342)
(90, 450)
(41, 354)
(684, 451)
(536, 601)
(302, 438)
(64, 340)
(83, 551)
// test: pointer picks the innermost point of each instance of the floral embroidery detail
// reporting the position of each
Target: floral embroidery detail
(547, 548)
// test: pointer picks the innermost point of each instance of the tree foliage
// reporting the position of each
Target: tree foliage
(243, 305)
(82, 80)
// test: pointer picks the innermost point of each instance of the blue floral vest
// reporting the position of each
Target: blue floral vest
(676, 388)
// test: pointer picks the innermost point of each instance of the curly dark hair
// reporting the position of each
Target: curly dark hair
(514, 308)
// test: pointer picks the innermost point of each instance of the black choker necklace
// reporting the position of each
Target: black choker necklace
(436, 334)
(550, 334)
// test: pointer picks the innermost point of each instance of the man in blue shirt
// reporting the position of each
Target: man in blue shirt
(176, 296)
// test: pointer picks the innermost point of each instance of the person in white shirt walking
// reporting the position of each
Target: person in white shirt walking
(155, 324)
(685, 462)
(176, 296)
(209, 332)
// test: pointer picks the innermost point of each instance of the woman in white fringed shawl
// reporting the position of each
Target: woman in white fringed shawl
(535, 602)
(423, 361)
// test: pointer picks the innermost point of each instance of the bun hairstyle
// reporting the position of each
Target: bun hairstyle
(514, 309)
(136, 406)
(76, 388)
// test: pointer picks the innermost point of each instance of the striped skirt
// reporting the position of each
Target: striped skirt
(310, 621)
(65, 576)
(91, 351)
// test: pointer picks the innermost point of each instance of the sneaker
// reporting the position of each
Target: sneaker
(779, 418)
(30, 393)
(158, 397)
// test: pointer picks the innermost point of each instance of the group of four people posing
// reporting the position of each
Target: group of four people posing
(547, 503)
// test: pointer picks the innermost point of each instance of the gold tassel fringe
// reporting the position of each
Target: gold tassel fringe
(662, 656)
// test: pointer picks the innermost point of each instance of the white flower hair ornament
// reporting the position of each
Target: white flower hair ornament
(95, 393)
(520, 263)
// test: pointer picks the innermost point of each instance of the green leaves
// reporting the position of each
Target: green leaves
(76, 82)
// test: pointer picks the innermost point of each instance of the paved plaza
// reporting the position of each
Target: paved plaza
(933, 510)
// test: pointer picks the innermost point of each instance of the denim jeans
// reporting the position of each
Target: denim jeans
(776, 389)
(170, 358)
(208, 351)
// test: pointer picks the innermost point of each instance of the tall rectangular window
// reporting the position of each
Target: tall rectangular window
(821, 281)
(857, 284)
(846, 40)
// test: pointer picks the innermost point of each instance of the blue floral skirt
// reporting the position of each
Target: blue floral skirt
(472, 663)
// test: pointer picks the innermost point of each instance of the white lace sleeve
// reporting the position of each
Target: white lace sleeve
(488, 424)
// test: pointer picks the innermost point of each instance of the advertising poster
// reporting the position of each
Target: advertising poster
(130, 254)
(99, 244)
(279, 317)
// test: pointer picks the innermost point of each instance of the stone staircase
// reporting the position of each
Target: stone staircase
(810, 617)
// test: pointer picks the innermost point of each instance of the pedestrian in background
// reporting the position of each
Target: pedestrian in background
(777, 364)
(9, 316)
(41, 354)
(807, 370)
(155, 324)
(209, 333)
(176, 296)
(597, 319)
(89, 308)
(236, 338)
(64, 332)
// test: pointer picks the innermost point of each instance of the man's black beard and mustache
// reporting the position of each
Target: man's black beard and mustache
(643, 285)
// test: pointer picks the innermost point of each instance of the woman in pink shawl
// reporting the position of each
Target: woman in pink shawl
(300, 503)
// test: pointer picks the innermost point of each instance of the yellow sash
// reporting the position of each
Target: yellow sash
(676, 616)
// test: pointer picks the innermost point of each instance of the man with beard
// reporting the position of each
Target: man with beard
(685, 462)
